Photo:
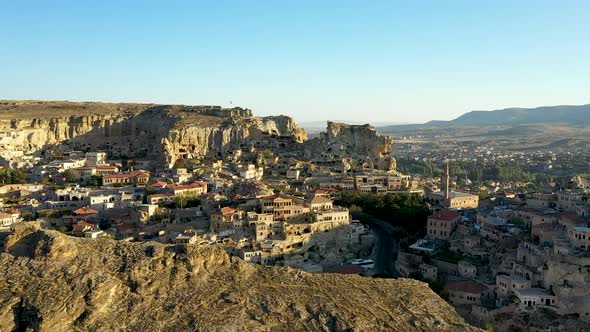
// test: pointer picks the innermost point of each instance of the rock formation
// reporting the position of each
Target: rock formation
(163, 133)
(360, 142)
(53, 282)
(167, 133)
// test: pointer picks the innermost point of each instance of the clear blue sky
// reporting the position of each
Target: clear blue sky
(401, 61)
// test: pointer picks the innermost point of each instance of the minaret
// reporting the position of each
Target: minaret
(446, 182)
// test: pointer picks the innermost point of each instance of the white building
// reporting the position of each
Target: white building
(293, 174)
(102, 202)
(94, 234)
(95, 158)
(579, 236)
(531, 297)
(7, 219)
(63, 165)
(251, 172)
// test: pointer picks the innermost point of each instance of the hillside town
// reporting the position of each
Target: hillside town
(376, 166)
(519, 252)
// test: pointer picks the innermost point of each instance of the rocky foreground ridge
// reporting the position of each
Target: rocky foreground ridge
(53, 282)
(167, 133)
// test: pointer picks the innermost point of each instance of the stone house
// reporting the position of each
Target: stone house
(466, 269)
(529, 254)
(441, 224)
(135, 178)
(318, 203)
(531, 297)
(567, 200)
(466, 292)
(8, 218)
(227, 218)
(81, 214)
(186, 238)
(105, 169)
(192, 189)
(250, 255)
(429, 272)
(160, 198)
(579, 236)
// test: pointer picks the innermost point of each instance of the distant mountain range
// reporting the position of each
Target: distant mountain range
(565, 114)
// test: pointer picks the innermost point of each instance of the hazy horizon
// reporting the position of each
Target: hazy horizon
(376, 62)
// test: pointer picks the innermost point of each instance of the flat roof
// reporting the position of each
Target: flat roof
(424, 245)
(453, 194)
(499, 223)
(533, 292)
(517, 278)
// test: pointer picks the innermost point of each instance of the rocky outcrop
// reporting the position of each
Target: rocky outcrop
(166, 133)
(194, 140)
(53, 282)
(357, 142)
(163, 133)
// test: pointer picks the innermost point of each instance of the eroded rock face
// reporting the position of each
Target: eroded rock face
(163, 133)
(358, 142)
(194, 140)
(53, 282)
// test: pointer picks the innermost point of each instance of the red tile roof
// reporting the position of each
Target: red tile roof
(12, 211)
(85, 210)
(445, 215)
(227, 210)
(106, 167)
(126, 175)
(188, 186)
(84, 168)
(276, 196)
(467, 286)
(5, 215)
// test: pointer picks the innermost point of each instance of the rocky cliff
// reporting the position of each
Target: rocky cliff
(164, 133)
(53, 282)
(357, 142)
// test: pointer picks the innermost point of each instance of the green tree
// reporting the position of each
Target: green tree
(45, 180)
(409, 212)
(72, 175)
(12, 175)
(95, 180)
(267, 154)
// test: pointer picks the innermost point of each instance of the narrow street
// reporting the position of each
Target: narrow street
(385, 250)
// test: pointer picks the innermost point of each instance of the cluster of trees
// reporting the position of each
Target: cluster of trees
(72, 175)
(267, 153)
(419, 167)
(476, 171)
(407, 212)
(12, 175)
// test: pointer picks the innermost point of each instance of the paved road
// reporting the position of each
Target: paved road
(385, 248)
